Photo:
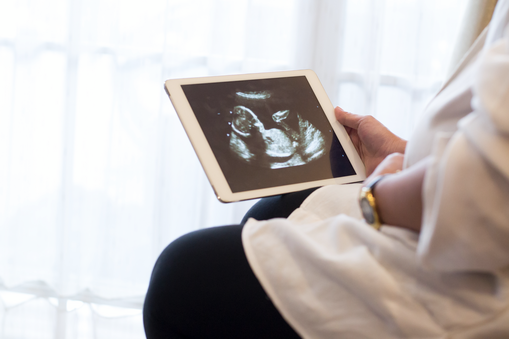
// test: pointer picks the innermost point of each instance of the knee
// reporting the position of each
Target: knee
(183, 276)
(186, 269)
(163, 287)
(170, 265)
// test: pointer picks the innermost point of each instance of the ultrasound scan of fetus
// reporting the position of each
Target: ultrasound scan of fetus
(267, 134)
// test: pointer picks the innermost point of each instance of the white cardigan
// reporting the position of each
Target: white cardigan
(332, 276)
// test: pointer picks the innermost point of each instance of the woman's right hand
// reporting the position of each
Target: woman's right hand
(372, 140)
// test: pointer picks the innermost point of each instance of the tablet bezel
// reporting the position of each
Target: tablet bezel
(209, 162)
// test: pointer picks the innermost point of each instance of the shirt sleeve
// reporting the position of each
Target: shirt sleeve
(466, 189)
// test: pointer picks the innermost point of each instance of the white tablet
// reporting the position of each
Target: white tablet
(264, 134)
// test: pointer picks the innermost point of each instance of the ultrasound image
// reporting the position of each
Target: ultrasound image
(267, 132)
(293, 142)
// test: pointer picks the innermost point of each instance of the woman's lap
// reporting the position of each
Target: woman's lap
(203, 287)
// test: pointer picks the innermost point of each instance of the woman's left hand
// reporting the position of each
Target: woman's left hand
(393, 163)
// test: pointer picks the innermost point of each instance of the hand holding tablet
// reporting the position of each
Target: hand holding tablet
(264, 134)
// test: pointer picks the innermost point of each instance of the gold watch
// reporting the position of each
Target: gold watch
(368, 204)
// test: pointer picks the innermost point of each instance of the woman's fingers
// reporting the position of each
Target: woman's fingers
(393, 163)
(347, 119)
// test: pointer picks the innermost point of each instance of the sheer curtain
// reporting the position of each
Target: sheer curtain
(96, 172)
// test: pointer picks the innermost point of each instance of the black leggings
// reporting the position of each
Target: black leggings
(203, 287)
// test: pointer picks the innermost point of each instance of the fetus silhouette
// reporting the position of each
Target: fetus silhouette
(293, 142)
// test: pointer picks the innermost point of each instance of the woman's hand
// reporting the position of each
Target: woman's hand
(393, 163)
(372, 140)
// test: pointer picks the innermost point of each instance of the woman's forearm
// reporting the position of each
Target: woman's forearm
(399, 197)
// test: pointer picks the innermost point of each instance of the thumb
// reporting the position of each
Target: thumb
(347, 119)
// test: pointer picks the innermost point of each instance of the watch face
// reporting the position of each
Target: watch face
(367, 211)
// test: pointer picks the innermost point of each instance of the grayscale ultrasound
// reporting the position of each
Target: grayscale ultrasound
(293, 141)
(267, 132)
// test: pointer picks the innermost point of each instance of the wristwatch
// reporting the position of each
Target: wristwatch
(368, 204)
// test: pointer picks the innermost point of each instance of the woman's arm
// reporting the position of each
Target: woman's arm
(399, 195)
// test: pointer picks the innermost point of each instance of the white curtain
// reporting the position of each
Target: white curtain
(96, 172)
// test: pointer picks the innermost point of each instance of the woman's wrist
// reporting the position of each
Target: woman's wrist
(399, 145)
(399, 197)
(368, 203)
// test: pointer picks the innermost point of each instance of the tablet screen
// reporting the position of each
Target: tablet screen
(267, 132)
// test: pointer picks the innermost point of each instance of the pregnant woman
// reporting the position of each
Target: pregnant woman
(432, 263)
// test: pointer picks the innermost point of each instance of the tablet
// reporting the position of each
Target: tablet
(264, 134)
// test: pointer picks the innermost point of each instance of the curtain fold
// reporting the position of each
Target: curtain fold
(97, 175)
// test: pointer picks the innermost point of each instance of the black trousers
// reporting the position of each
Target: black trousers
(203, 287)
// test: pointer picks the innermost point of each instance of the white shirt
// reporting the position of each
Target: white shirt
(332, 276)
